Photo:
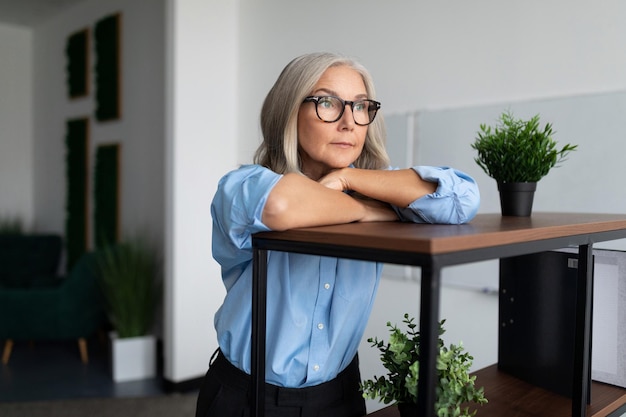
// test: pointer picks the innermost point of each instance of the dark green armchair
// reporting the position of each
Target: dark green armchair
(69, 308)
(29, 260)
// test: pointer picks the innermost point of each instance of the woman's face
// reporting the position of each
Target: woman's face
(323, 146)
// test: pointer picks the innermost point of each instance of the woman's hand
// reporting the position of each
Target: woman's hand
(336, 180)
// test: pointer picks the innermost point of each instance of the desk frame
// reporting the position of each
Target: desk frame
(432, 249)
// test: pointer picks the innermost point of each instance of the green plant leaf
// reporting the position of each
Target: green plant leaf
(515, 150)
(128, 275)
(400, 357)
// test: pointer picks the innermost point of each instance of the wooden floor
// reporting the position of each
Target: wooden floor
(511, 397)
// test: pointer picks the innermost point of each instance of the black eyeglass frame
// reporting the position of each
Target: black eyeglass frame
(373, 104)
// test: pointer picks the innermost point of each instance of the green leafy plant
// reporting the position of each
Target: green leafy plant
(400, 356)
(517, 150)
(128, 275)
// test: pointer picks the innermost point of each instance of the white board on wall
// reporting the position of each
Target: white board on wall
(590, 180)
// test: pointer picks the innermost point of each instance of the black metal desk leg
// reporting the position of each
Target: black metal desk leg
(259, 313)
(429, 333)
(582, 342)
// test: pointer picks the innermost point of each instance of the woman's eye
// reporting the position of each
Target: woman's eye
(326, 102)
(360, 106)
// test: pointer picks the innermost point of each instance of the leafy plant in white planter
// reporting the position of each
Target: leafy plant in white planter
(400, 356)
(129, 277)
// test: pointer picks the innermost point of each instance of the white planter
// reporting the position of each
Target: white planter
(132, 358)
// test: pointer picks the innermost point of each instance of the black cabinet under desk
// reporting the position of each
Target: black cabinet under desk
(537, 307)
(536, 319)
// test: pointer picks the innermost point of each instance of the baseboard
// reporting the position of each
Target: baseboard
(182, 386)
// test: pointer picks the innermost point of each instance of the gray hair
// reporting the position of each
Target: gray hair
(279, 114)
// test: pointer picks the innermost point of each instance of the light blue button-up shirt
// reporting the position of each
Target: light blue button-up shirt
(317, 307)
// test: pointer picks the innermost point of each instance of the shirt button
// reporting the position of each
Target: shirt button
(320, 326)
(327, 286)
(316, 368)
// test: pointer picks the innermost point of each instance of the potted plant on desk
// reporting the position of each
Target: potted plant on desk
(517, 154)
(400, 356)
(129, 276)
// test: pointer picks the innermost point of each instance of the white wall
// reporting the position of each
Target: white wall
(426, 55)
(201, 147)
(140, 129)
(16, 124)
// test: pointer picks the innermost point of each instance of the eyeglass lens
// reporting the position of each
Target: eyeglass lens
(330, 109)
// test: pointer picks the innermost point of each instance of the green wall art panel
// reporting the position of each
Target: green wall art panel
(77, 54)
(106, 195)
(107, 68)
(77, 173)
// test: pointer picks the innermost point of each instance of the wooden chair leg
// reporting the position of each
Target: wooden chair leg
(6, 353)
(82, 347)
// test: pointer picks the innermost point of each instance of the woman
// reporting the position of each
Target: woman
(322, 161)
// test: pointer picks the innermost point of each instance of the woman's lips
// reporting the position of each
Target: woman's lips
(342, 144)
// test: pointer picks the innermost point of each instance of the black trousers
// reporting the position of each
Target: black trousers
(225, 392)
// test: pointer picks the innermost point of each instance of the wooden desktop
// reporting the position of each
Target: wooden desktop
(432, 247)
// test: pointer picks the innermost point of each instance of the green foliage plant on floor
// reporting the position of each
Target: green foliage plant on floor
(400, 356)
(128, 272)
(516, 150)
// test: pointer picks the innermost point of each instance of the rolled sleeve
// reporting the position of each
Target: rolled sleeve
(455, 201)
(237, 210)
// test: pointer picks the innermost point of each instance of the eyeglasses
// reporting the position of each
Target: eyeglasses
(330, 109)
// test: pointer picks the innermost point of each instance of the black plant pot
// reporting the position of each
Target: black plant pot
(516, 198)
(407, 409)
